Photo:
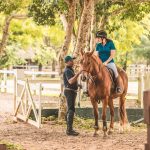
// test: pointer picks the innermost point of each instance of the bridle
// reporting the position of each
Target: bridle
(93, 77)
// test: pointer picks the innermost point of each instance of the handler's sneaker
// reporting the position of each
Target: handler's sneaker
(72, 132)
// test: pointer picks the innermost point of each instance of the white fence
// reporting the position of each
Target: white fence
(35, 67)
(4, 74)
(134, 71)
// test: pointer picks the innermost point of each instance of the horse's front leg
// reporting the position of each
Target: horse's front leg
(104, 109)
(111, 107)
(95, 107)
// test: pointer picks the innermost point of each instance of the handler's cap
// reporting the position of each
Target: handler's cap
(68, 58)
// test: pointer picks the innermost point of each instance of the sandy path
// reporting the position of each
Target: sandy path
(52, 137)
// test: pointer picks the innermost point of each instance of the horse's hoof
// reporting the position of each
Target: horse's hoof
(96, 127)
(95, 135)
(121, 130)
(105, 135)
(110, 132)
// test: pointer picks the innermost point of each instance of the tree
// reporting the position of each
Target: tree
(120, 19)
(142, 52)
(12, 10)
(85, 24)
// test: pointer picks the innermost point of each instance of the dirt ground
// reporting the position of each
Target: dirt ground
(52, 137)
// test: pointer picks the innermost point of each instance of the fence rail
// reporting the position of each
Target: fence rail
(135, 70)
(143, 81)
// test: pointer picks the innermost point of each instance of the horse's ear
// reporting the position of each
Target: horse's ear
(91, 53)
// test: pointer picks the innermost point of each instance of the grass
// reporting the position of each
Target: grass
(12, 146)
(87, 124)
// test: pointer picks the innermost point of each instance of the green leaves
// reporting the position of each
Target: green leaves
(135, 11)
(42, 13)
(8, 6)
(44, 55)
(12, 6)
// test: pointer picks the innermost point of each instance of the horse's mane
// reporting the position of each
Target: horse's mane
(97, 59)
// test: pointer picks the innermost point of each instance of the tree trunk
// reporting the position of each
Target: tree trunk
(125, 61)
(84, 26)
(5, 34)
(74, 39)
(6, 30)
(64, 21)
(40, 67)
(53, 67)
(68, 26)
(65, 48)
(103, 22)
(93, 29)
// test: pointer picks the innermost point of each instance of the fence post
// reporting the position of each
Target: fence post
(147, 81)
(140, 89)
(3, 147)
(146, 102)
(33, 75)
(40, 107)
(15, 83)
(19, 74)
(5, 81)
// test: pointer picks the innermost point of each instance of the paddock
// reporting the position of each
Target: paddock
(50, 133)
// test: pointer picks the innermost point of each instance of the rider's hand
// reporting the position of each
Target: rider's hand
(105, 63)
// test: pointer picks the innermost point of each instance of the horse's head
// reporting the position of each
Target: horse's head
(86, 64)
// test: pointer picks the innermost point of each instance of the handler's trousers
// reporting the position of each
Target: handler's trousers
(70, 98)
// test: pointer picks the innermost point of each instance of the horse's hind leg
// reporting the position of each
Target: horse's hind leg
(95, 107)
(122, 112)
(111, 107)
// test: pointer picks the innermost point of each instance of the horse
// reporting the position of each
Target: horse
(100, 88)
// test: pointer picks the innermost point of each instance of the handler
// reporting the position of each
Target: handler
(70, 92)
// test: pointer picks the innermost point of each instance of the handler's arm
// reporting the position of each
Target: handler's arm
(74, 78)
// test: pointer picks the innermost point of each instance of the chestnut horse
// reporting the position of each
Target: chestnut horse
(100, 88)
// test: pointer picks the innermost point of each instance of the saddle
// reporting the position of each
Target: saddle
(112, 77)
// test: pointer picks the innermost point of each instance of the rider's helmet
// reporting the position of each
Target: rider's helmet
(101, 34)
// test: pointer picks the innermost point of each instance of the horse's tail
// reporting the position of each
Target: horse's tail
(122, 108)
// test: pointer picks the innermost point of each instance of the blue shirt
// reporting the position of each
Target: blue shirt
(104, 51)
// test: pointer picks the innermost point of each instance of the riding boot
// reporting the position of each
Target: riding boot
(118, 86)
(70, 131)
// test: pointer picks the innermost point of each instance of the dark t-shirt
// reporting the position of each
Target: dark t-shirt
(68, 74)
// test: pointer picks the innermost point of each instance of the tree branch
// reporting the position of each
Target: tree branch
(123, 9)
